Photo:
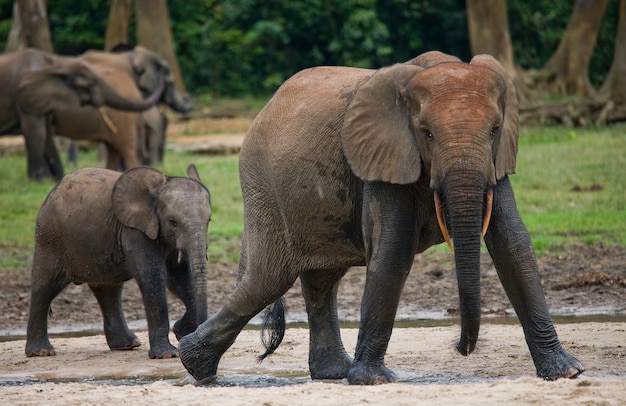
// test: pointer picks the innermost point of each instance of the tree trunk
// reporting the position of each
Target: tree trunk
(16, 40)
(614, 86)
(117, 24)
(30, 26)
(488, 26)
(570, 62)
(154, 32)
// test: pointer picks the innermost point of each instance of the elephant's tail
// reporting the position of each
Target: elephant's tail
(273, 328)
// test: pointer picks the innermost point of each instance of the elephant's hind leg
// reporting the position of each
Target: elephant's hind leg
(328, 358)
(118, 336)
(45, 286)
(201, 351)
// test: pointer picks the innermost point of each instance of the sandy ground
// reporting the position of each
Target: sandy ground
(429, 369)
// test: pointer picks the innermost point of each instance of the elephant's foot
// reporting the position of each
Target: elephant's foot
(326, 365)
(40, 350)
(362, 373)
(123, 343)
(163, 351)
(199, 359)
(183, 327)
(558, 364)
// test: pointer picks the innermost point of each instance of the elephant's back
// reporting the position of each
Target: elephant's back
(305, 111)
(79, 200)
(303, 119)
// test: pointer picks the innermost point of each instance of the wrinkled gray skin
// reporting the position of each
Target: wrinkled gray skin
(341, 169)
(35, 85)
(103, 228)
(135, 72)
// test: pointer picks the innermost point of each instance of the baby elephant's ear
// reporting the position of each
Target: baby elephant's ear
(133, 199)
(192, 172)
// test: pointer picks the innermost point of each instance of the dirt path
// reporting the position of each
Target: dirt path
(429, 369)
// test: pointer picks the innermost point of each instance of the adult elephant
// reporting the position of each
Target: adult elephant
(136, 73)
(37, 85)
(349, 167)
(102, 227)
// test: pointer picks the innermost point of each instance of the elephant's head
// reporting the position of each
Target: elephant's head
(149, 67)
(68, 83)
(176, 210)
(453, 122)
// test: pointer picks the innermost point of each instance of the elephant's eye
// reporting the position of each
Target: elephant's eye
(494, 131)
(426, 133)
(172, 223)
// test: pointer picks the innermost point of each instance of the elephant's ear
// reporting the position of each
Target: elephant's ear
(133, 199)
(192, 173)
(506, 146)
(376, 136)
(431, 58)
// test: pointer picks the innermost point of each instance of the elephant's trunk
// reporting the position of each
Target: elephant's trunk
(176, 101)
(197, 260)
(113, 99)
(468, 205)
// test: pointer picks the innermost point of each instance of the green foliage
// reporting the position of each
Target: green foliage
(249, 47)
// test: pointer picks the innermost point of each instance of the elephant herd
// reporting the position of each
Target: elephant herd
(343, 167)
(97, 96)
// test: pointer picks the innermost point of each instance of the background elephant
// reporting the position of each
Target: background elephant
(36, 85)
(154, 137)
(102, 228)
(349, 167)
(135, 72)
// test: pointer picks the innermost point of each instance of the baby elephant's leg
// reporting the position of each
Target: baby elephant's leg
(118, 336)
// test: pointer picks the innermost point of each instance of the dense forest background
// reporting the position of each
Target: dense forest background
(249, 47)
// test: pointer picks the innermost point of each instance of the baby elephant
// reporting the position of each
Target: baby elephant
(103, 228)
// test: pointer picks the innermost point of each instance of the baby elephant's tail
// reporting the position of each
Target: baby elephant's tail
(273, 328)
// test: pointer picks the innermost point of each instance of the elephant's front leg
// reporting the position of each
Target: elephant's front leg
(510, 247)
(37, 146)
(180, 282)
(389, 227)
(152, 283)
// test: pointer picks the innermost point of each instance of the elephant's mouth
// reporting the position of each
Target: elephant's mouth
(443, 216)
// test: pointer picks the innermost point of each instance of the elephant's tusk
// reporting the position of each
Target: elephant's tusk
(107, 119)
(180, 256)
(442, 225)
(487, 218)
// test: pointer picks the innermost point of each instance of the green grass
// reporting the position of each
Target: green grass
(551, 162)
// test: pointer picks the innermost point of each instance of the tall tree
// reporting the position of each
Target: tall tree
(614, 86)
(570, 62)
(154, 32)
(30, 26)
(488, 26)
(118, 22)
